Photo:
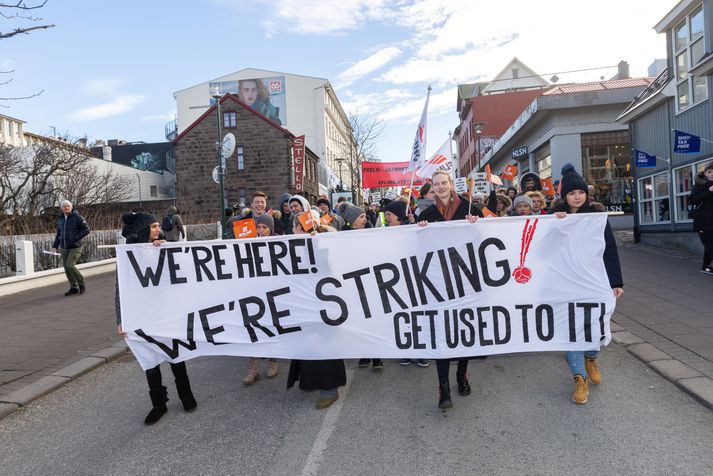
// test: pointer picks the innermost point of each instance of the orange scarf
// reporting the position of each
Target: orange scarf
(448, 209)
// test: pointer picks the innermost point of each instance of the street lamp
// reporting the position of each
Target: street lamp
(139, 178)
(216, 94)
(340, 160)
(478, 127)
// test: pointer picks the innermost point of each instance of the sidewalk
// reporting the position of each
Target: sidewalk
(44, 331)
(667, 303)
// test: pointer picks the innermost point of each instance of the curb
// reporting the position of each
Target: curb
(684, 377)
(12, 402)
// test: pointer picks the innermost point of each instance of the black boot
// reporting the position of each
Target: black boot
(186, 395)
(444, 395)
(463, 384)
(159, 398)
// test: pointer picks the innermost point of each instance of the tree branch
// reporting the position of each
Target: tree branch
(18, 31)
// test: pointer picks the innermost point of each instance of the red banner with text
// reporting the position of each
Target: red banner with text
(386, 174)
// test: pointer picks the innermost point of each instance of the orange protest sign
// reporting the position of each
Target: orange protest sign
(547, 187)
(487, 213)
(307, 220)
(490, 177)
(509, 173)
(244, 228)
(325, 220)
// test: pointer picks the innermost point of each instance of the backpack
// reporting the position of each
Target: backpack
(167, 223)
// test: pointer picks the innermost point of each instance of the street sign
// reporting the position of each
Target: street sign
(228, 146)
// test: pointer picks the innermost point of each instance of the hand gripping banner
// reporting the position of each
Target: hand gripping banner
(453, 289)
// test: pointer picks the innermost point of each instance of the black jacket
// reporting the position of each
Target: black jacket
(70, 231)
(431, 214)
(702, 198)
(611, 253)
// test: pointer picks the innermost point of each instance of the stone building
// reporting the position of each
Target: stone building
(262, 160)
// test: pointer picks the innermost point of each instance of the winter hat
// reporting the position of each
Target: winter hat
(530, 176)
(137, 227)
(479, 195)
(571, 180)
(172, 210)
(351, 213)
(302, 200)
(325, 201)
(285, 197)
(398, 208)
(522, 198)
(266, 219)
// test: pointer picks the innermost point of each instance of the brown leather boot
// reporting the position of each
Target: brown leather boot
(253, 371)
(271, 368)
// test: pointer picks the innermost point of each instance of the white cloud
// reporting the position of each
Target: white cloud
(368, 65)
(410, 112)
(115, 107)
(168, 116)
(320, 17)
(101, 86)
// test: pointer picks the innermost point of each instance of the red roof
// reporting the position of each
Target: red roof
(599, 86)
(237, 101)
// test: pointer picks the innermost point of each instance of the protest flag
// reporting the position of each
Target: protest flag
(490, 177)
(487, 213)
(509, 173)
(419, 142)
(442, 159)
(547, 187)
(307, 220)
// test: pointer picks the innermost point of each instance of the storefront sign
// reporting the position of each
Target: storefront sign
(298, 162)
(519, 152)
(686, 143)
(644, 160)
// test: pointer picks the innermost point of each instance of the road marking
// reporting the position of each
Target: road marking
(314, 459)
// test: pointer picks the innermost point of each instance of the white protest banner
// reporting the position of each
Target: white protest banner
(461, 185)
(450, 289)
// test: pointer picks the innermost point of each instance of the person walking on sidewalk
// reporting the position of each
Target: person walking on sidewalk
(144, 228)
(449, 206)
(574, 193)
(265, 225)
(702, 198)
(172, 225)
(71, 229)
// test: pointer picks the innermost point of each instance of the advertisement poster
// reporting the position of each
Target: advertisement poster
(265, 95)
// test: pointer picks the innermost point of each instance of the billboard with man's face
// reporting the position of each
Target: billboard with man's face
(265, 95)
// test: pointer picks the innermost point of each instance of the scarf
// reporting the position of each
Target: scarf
(448, 209)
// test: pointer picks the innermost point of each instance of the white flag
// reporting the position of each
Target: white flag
(441, 160)
(419, 142)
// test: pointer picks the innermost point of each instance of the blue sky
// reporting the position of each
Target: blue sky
(109, 68)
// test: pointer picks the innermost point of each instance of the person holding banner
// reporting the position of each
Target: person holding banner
(522, 206)
(265, 226)
(539, 204)
(574, 192)
(702, 198)
(145, 228)
(449, 206)
(327, 216)
(298, 205)
(326, 376)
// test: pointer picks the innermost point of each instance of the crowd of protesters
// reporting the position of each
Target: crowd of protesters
(435, 201)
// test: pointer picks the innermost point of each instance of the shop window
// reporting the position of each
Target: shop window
(230, 120)
(684, 178)
(153, 191)
(608, 168)
(543, 162)
(654, 199)
(688, 49)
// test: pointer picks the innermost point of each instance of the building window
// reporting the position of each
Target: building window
(684, 178)
(515, 73)
(653, 199)
(153, 191)
(242, 194)
(241, 157)
(230, 120)
(688, 49)
(543, 162)
(606, 162)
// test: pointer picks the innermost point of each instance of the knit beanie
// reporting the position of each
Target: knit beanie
(571, 180)
(266, 219)
(398, 208)
(351, 213)
(522, 198)
(325, 201)
(302, 200)
(137, 227)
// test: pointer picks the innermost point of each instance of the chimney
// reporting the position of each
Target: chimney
(622, 70)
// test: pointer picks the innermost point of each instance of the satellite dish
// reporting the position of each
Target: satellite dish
(215, 174)
(228, 146)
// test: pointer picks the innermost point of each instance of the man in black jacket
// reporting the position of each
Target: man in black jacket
(71, 229)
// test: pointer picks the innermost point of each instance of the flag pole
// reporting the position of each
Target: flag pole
(413, 172)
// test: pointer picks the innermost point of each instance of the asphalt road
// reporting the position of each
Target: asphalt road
(519, 420)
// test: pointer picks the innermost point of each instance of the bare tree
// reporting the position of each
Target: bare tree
(20, 12)
(366, 130)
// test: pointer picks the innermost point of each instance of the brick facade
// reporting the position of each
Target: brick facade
(267, 155)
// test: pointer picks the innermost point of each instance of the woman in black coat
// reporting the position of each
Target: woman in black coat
(449, 206)
(702, 198)
(575, 195)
